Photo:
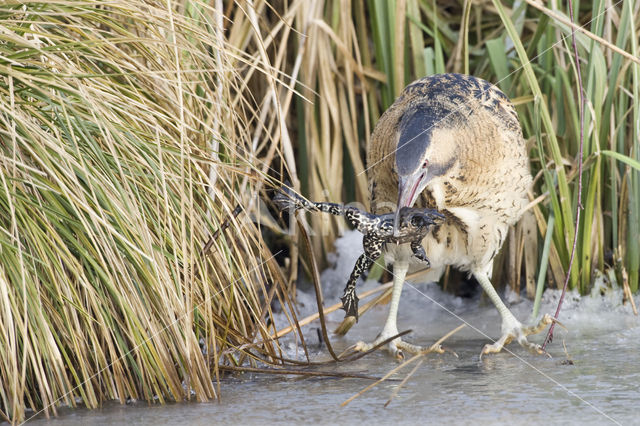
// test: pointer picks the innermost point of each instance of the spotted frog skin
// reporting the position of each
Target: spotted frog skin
(378, 230)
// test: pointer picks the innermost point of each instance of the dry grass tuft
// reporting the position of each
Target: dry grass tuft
(124, 143)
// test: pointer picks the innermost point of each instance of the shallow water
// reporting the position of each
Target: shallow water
(602, 386)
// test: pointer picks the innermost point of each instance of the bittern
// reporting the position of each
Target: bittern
(453, 143)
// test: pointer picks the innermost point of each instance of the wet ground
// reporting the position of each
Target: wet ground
(600, 385)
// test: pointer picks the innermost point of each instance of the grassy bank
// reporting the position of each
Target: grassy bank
(124, 145)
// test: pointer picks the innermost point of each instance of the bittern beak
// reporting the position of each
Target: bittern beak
(409, 188)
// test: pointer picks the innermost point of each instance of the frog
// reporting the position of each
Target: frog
(378, 230)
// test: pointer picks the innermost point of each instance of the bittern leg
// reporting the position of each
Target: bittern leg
(512, 329)
(396, 346)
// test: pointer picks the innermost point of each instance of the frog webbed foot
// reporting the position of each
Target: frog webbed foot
(350, 303)
(349, 298)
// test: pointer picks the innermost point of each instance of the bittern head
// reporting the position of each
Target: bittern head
(426, 149)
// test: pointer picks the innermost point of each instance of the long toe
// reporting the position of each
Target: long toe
(530, 346)
(391, 346)
(519, 333)
(415, 349)
(542, 324)
(497, 345)
(364, 346)
(535, 329)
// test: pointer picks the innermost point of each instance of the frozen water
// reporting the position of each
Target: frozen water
(600, 386)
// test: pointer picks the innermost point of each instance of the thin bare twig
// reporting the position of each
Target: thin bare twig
(328, 310)
(402, 383)
(337, 306)
(216, 234)
(385, 377)
(568, 360)
(433, 348)
(345, 356)
(316, 282)
(297, 372)
(446, 336)
(549, 337)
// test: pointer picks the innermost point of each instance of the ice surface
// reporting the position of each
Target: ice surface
(431, 313)
(599, 386)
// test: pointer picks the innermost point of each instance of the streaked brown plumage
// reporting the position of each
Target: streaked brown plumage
(452, 142)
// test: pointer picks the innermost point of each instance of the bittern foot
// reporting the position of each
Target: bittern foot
(392, 346)
(398, 348)
(514, 330)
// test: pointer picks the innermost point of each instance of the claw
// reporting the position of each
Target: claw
(519, 333)
(497, 345)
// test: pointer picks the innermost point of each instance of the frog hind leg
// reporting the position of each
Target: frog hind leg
(372, 250)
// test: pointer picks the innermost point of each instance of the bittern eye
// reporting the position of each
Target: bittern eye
(417, 221)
